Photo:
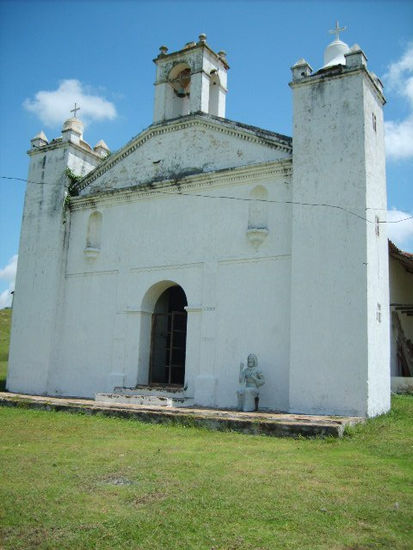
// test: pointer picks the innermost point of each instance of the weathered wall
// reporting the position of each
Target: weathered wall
(40, 274)
(378, 313)
(237, 295)
(339, 269)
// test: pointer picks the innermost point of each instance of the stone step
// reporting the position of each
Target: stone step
(147, 399)
(165, 391)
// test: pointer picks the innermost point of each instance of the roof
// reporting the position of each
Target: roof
(405, 258)
(260, 132)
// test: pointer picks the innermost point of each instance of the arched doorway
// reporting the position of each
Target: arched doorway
(168, 338)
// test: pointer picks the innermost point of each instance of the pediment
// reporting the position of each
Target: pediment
(193, 144)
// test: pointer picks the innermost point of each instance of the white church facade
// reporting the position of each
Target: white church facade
(162, 266)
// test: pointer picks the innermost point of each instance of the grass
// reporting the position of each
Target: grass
(71, 481)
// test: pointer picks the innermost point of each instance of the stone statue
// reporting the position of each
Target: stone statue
(250, 379)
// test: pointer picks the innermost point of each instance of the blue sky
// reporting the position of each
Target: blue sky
(101, 52)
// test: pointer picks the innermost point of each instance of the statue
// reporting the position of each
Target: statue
(250, 379)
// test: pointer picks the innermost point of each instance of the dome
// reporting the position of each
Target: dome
(73, 124)
(334, 54)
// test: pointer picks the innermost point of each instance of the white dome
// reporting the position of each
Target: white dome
(73, 124)
(334, 54)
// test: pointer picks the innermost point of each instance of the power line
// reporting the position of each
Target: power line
(248, 199)
(295, 203)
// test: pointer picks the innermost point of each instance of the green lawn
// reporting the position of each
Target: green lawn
(75, 481)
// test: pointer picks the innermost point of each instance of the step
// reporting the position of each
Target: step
(147, 399)
(165, 391)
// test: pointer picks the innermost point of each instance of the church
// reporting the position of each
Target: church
(157, 269)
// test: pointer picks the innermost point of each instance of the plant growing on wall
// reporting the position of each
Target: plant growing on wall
(73, 180)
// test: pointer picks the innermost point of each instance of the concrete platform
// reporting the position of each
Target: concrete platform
(257, 423)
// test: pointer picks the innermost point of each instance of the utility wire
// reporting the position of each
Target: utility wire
(247, 199)
(295, 203)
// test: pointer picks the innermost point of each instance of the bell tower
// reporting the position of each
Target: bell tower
(190, 80)
(42, 254)
(339, 281)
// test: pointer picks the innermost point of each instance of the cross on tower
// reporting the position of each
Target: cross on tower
(75, 110)
(337, 30)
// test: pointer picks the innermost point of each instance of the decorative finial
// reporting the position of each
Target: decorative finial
(163, 50)
(202, 38)
(337, 30)
(75, 110)
(222, 54)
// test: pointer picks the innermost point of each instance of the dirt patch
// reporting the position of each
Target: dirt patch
(117, 480)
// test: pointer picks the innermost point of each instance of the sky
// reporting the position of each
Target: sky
(99, 54)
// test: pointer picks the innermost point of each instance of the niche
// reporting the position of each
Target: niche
(257, 216)
(93, 235)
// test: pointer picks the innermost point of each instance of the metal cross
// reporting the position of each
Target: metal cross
(337, 30)
(75, 110)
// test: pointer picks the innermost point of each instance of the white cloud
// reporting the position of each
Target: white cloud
(400, 233)
(8, 273)
(399, 138)
(395, 76)
(399, 133)
(53, 107)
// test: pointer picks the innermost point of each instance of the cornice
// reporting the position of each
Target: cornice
(61, 145)
(336, 73)
(175, 126)
(184, 51)
(190, 183)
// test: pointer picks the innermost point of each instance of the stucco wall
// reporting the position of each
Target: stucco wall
(378, 317)
(336, 255)
(42, 252)
(237, 295)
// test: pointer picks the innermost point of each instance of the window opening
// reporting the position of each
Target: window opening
(181, 83)
(180, 89)
(214, 91)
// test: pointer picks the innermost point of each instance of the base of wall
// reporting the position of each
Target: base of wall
(402, 384)
(140, 397)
